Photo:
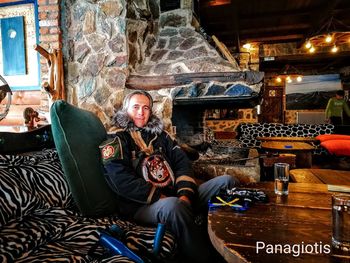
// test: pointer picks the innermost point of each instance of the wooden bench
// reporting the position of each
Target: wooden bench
(320, 176)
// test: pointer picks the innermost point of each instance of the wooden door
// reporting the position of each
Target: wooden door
(273, 105)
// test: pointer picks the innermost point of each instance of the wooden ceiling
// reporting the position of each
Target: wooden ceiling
(236, 22)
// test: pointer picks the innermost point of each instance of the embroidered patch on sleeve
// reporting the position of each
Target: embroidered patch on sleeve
(111, 149)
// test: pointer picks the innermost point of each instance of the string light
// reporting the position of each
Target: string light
(308, 44)
(289, 74)
(247, 46)
(328, 39)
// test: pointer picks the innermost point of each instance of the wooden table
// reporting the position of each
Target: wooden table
(303, 217)
(287, 139)
(32, 140)
(302, 151)
(320, 176)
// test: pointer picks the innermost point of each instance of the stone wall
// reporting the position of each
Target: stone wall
(103, 42)
(244, 115)
(96, 55)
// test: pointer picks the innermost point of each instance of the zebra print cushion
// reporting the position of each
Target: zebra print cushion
(22, 180)
(39, 220)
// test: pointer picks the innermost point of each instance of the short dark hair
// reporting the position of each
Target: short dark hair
(127, 99)
(340, 93)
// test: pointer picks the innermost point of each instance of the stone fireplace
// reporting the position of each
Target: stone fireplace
(113, 47)
(187, 74)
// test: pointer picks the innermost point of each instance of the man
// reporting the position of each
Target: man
(152, 177)
(335, 108)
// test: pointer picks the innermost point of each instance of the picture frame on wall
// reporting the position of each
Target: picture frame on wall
(313, 92)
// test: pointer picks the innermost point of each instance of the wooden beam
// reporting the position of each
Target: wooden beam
(225, 52)
(168, 81)
(267, 39)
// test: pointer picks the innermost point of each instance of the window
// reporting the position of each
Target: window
(19, 62)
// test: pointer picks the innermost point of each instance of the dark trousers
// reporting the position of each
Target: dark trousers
(336, 120)
(193, 240)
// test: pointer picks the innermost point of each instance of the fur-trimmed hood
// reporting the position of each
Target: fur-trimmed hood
(123, 121)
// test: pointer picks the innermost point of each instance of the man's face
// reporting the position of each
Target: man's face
(139, 110)
(338, 97)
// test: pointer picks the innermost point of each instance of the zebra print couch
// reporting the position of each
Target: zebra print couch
(39, 221)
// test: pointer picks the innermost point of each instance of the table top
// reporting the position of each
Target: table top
(31, 140)
(321, 176)
(303, 218)
(287, 146)
(287, 139)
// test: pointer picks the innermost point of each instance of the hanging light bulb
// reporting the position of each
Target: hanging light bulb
(288, 79)
(312, 49)
(334, 49)
(279, 79)
(328, 38)
(299, 78)
(247, 46)
(308, 44)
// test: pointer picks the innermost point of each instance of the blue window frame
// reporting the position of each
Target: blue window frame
(35, 85)
(13, 50)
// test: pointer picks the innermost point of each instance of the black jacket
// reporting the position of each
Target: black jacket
(127, 181)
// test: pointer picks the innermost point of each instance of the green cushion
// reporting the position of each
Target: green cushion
(77, 134)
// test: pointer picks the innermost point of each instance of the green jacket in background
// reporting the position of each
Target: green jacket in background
(335, 108)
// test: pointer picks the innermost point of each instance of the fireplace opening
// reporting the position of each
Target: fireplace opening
(216, 157)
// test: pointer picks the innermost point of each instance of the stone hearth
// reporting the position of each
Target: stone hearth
(246, 171)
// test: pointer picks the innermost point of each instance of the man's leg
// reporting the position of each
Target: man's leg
(213, 187)
(179, 219)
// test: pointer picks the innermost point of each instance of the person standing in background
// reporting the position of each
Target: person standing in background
(335, 108)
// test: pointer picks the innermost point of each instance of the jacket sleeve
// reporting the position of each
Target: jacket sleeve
(184, 183)
(329, 108)
(123, 180)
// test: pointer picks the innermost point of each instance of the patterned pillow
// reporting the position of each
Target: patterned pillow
(29, 182)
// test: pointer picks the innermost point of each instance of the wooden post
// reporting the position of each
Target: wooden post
(223, 49)
(55, 84)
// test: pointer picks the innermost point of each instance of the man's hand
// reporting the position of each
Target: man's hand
(185, 199)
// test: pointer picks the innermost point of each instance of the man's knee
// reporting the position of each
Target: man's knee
(227, 181)
(174, 207)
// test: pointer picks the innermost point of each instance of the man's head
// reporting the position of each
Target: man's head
(339, 94)
(138, 105)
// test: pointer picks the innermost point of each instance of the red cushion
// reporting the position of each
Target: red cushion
(327, 137)
(337, 147)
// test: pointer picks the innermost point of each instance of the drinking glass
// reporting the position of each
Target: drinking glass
(341, 221)
(281, 173)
